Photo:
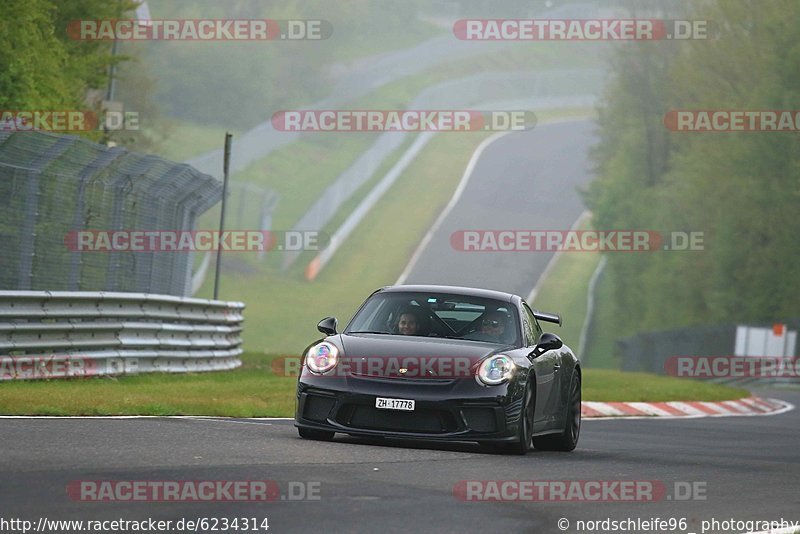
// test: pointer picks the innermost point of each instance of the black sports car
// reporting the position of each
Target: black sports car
(444, 363)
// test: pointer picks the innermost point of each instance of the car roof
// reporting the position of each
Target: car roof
(453, 290)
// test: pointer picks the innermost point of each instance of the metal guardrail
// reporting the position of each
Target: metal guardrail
(58, 334)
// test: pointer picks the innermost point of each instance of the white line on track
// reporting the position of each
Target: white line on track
(551, 264)
(473, 161)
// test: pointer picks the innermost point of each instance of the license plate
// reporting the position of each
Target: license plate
(394, 404)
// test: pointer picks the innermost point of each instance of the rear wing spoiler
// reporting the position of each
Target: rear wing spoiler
(547, 317)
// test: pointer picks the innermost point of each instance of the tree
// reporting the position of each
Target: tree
(741, 189)
(41, 67)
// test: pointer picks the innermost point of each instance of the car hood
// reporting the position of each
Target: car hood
(395, 356)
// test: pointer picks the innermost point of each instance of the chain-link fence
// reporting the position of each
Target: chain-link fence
(53, 186)
(251, 208)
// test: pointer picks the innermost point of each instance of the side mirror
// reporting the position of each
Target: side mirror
(547, 341)
(327, 326)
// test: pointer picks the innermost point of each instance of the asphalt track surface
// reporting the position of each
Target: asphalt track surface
(747, 466)
(525, 180)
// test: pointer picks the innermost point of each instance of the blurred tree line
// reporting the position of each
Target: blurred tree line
(742, 189)
(41, 68)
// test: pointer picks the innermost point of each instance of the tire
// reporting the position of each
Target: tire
(317, 435)
(525, 429)
(568, 438)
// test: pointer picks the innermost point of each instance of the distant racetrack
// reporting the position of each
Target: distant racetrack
(520, 181)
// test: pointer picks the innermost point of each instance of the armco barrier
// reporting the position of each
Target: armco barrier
(57, 334)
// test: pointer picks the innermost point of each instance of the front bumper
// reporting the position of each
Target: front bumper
(454, 410)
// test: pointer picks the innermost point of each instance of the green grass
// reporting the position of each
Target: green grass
(283, 308)
(255, 391)
(564, 291)
(250, 391)
(601, 349)
(182, 140)
(609, 386)
(347, 42)
(185, 140)
(361, 46)
(302, 170)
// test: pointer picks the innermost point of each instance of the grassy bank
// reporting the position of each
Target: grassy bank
(601, 346)
(609, 386)
(254, 390)
(564, 291)
(283, 308)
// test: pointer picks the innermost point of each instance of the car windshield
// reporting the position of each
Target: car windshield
(438, 315)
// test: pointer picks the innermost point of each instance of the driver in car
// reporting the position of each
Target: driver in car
(407, 324)
(491, 327)
(494, 324)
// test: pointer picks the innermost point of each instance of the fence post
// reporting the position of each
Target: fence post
(225, 167)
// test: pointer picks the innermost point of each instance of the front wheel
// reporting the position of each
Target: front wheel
(318, 435)
(525, 429)
(568, 438)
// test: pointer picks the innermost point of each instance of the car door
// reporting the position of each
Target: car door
(547, 367)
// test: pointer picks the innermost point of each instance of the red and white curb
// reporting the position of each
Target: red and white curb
(589, 410)
(747, 406)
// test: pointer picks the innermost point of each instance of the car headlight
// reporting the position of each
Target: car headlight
(322, 357)
(496, 370)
